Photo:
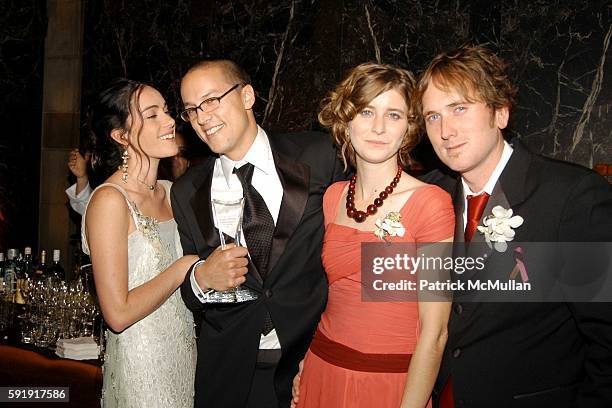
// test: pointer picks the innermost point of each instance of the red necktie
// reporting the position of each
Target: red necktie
(447, 400)
(476, 206)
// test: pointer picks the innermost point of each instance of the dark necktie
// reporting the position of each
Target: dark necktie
(476, 206)
(258, 227)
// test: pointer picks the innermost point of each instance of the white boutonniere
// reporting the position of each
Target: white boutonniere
(499, 227)
(390, 226)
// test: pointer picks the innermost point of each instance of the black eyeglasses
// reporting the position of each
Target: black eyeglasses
(207, 105)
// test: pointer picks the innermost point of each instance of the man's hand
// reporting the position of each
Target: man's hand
(295, 389)
(224, 269)
(77, 163)
(78, 166)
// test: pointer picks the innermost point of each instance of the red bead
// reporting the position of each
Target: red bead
(360, 216)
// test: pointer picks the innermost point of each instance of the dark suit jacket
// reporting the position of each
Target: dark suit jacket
(295, 289)
(534, 354)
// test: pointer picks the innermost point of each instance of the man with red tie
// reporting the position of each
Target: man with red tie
(529, 354)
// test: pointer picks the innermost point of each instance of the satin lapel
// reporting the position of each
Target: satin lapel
(200, 203)
(295, 179)
(253, 278)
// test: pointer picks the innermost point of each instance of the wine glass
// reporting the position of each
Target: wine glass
(26, 317)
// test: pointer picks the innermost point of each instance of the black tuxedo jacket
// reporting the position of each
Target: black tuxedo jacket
(295, 289)
(534, 354)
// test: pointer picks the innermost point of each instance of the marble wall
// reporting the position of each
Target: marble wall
(296, 50)
(22, 34)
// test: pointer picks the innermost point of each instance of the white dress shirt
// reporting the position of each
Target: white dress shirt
(78, 202)
(490, 184)
(226, 186)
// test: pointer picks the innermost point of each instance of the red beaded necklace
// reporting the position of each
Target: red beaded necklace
(360, 216)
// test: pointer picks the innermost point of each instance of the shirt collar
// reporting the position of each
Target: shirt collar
(259, 155)
(490, 184)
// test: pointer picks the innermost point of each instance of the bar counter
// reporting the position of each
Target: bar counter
(23, 365)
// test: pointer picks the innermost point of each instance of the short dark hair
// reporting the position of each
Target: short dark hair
(234, 72)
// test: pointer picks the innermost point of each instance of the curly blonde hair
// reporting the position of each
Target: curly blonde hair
(362, 84)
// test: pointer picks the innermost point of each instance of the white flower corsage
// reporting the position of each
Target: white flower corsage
(499, 227)
(390, 226)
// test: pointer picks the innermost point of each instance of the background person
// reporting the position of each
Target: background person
(79, 193)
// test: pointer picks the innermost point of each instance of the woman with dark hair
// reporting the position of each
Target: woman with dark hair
(130, 233)
(377, 353)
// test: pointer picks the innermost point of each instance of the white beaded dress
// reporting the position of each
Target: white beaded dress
(151, 363)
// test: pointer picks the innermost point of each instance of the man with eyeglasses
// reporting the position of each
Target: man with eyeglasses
(248, 351)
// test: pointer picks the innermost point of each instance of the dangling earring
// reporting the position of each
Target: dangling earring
(124, 167)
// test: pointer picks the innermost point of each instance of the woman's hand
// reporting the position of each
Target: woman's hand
(295, 389)
(183, 265)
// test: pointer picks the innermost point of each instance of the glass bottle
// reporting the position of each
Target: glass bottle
(40, 271)
(55, 270)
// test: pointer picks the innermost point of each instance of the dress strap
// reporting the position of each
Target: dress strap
(132, 207)
(134, 211)
(166, 184)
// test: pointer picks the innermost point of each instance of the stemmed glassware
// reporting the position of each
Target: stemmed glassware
(26, 286)
(6, 306)
(42, 324)
(57, 310)
(228, 218)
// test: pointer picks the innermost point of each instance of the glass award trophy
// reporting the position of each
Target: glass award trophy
(228, 218)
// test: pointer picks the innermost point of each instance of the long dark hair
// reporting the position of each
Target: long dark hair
(109, 111)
